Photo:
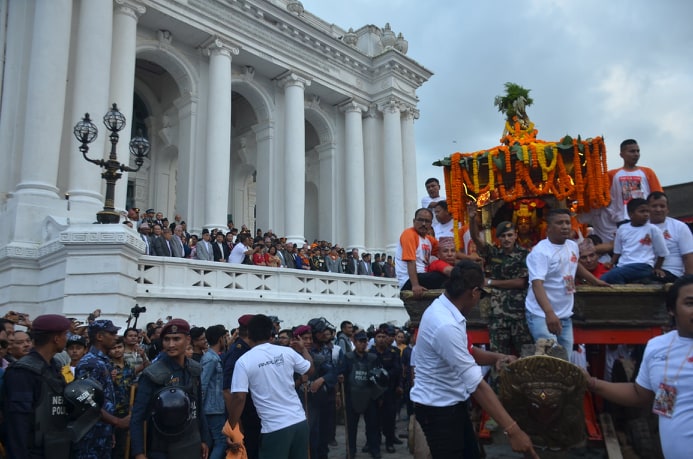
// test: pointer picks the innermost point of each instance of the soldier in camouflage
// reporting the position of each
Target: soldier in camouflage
(507, 282)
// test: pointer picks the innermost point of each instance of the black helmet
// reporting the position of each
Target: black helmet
(319, 325)
(380, 377)
(84, 399)
(171, 411)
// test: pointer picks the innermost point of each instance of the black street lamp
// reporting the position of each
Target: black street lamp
(85, 131)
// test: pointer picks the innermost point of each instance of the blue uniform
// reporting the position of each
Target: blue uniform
(97, 443)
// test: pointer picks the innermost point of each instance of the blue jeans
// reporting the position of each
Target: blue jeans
(217, 450)
(538, 329)
(626, 274)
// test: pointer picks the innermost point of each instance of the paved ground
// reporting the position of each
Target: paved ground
(498, 449)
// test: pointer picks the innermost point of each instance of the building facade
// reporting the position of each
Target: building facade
(256, 110)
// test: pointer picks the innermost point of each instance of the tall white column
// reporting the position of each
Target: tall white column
(409, 177)
(328, 221)
(354, 179)
(373, 186)
(294, 157)
(392, 179)
(265, 186)
(45, 101)
(91, 77)
(218, 158)
(123, 56)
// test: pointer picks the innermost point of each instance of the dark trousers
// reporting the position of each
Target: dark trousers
(387, 412)
(449, 431)
(370, 416)
(318, 413)
(432, 280)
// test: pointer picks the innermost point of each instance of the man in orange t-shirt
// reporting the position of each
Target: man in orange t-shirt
(413, 256)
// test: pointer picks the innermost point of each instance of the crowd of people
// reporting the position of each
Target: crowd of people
(172, 239)
(54, 367)
(263, 390)
(532, 288)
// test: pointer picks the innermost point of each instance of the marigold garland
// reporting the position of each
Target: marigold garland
(588, 185)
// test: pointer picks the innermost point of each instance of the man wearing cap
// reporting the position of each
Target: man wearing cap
(204, 247)
(249, 418)
(507, 284)
(172, 371)
(267, 371)
(322, 381)
(96, 364)
(447, 374)
(388, 358)
(277, 323)
(33, 396)
(360, 396)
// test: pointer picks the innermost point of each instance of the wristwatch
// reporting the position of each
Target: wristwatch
(488, 283)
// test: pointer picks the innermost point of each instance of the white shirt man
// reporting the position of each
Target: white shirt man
(677, 236)
(240, 251)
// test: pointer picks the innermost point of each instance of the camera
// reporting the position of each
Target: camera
(137, 310)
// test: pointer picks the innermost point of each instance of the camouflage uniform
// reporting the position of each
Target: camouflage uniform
(507, 325)
(97, 443)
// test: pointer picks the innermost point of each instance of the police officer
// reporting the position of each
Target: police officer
(165, 386)
(249, 418)
(322, 381)
(34, 408)
(360, 395)
(389, 359)
(98, 441)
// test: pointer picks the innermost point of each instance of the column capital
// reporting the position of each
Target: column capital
(411, 113)
(352, 106)
(132, 8)
(289, 78)
(391, 105)
(216, 46)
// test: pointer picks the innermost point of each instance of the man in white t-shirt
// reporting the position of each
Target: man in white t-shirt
(552, 265)
(665, 378)
(677, 235)
(267, 370)
(433, 190)
(241, 250)
(413, 256)
(443, 222)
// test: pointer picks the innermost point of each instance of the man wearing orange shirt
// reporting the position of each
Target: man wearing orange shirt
(413, 256)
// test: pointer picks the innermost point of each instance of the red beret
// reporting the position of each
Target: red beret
(50, 323)
(302, 330)
(175, 326)
(244, 320)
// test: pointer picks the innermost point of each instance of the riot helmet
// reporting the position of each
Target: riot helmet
(171, 411)
(379, 377)
(83, 399)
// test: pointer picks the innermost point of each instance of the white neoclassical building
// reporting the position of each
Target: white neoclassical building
(256, 110)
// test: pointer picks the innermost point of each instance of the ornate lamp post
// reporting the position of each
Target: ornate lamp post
(85, 131)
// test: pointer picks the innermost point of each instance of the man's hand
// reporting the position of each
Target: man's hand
(316, 385)
(418, 291)
(504, 361)
(553, 323)
(601, 283)
(204, 450)
(521, 443)
(123, 423)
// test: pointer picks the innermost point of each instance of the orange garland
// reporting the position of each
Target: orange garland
(589, 184)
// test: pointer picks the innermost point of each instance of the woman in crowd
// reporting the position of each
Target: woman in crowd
(271, 258)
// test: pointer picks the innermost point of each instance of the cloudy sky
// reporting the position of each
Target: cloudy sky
(617, 68)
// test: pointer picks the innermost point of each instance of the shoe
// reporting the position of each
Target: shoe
(376, 455)
(390, 449)
(397, 441)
